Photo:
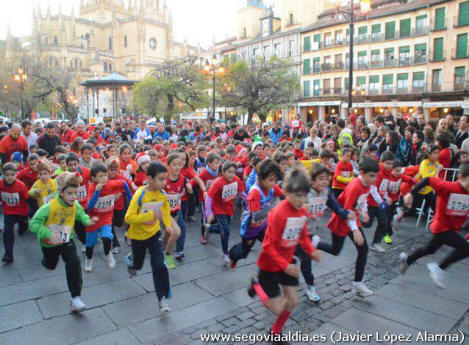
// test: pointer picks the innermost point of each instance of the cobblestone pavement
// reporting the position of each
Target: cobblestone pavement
(34, 302)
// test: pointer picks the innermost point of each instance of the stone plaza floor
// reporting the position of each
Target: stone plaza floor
(35, 307)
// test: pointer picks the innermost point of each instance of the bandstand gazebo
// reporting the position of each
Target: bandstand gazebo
(103, 95)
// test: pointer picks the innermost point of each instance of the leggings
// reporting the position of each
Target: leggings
(241, 250)
(305, 265)
(449, 238)
(224, 221)
(117, 222)
(336, 247)
(8, 231)
(383, 227)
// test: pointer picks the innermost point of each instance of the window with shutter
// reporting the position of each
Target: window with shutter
(306, 66)
(316, 87)
(461, 46)
(362, 33)
(374, 79)
(404, 28)
(390, 31)
(361, 81)
(463, 18)
(307, 43)
(438, 49)
(402, 81)
(387, 83)
(306, 88)
(459, 77)
(346, 83)
(418, 80)
(317, 42)
(440, 22)
(373, 84)
(316, 65)
(420, 54)
(421, 25)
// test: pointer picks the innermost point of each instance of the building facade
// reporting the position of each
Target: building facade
(407, 54)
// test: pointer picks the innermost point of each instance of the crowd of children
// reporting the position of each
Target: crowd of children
(95, 187)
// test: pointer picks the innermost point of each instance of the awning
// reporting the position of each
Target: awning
(310, 104)
(448, 104)
(383, 104)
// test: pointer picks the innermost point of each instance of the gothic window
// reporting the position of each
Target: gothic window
(152, 43)
(110, 43)
(110, 67)
(125, 41)
(105, 67)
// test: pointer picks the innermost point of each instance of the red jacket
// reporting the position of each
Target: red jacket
(13, 198)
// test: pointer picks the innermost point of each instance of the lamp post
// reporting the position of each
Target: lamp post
(365, 7)
(211, 69)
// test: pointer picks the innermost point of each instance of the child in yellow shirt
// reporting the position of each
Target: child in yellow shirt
(147, 208)
(43, 190)
(429, 167)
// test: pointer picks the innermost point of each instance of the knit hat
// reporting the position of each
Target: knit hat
(67, 179)
(142, 158)
(16, 157)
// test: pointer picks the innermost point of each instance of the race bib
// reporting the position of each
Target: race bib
(48, 198)
(81, 193)
(105, 204)
(295, 123)
(394, 187)
(229, 191)
(292, 231)
(345, 173)
(458, 204)
(174, 201)
(384, 185)
(316, 206)
(11, 199)
(151, 206)
(361, 201)
(63, 231)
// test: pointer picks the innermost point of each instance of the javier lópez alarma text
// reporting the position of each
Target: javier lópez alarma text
(340, 337)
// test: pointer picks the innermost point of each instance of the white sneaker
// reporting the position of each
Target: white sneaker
(83, 248)
(395, 223)
(88, 265)
(226, 261)
(115, 250)
(403, 266)
(312, 294)
(316, 240)
(111, 262)
(164, 307)
(377, 248)
(360, 289)
(437, 274)
(77, 305)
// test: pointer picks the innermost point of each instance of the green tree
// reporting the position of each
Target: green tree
(176, 86)
(260, 86)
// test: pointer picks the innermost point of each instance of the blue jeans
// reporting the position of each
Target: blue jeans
(8, 234)
(182, 224)
(224, 221)
(158, 268)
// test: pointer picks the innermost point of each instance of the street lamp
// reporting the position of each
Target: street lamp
(211, 69)
(365, 7)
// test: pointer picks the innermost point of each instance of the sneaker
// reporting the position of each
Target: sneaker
(169, 261)
(377, 247)
(251, 291)
(88, 265)
(115, 250)
(395, 223)
(437, 274)
(387, 239)
(83, 248)
(206, 231)
(226, 261)
(164, 307)
(316, 239)
(77, 305)
(203, 240)
(233, 264)
(130, 263)
(111, 262)
(180, 256)
(360, 289)
(403, 263)
(312, 294)
(7, 260)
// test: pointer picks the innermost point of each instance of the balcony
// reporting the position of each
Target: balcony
(420, 31)
(316, 69)
(326, 92)
(377, 37)
(338, 91)
(328, 44)
(361, 65)
(326, 67)
(376, 64)
(390, 63)
(436, 88)
(461, 85)
(363, 39)
(433, 27)
(432, 57)
(388, 90)
(461, 55)
(404, 61)
(457, 24)
(420, 59)
(418, 89)
(402, 90)
(338, 66)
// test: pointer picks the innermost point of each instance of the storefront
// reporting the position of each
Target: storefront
(437, 110)
(319, 111)
(373, 109)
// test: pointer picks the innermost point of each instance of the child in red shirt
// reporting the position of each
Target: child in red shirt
(343, 172)
(127, 165)
(451, 212)
(219, 203)
(287, 227)
(297, 150)
(354, 198)
(101, 204)
(143, 161)
(14, 196)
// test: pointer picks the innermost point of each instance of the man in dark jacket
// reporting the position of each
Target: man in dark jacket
(50, 140)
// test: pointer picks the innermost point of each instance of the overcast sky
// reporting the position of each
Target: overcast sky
(196, 20)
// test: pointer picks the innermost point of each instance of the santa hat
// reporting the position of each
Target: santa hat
(142, 158)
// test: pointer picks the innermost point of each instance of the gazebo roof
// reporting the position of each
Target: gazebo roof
(113, 79)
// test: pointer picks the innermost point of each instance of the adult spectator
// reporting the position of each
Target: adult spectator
(13, 142)
(451, 125)
(161, 133)
(462, 134)
(197, 134)
(404, 149)
(421, 121)
(49, 140)
(142, 132)
(313, 139)
(240, 134)
(389, 119)
(66, 133)
(345, 134)
(80, 132)
(276, 132)
(30, 136)
(127, 134)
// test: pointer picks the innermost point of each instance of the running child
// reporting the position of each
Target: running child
(147, 208)
(219, 204)
(287, 227)
(343, 172)
(14, 196)
(260, 201)
(53, 225)
(43, 190)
